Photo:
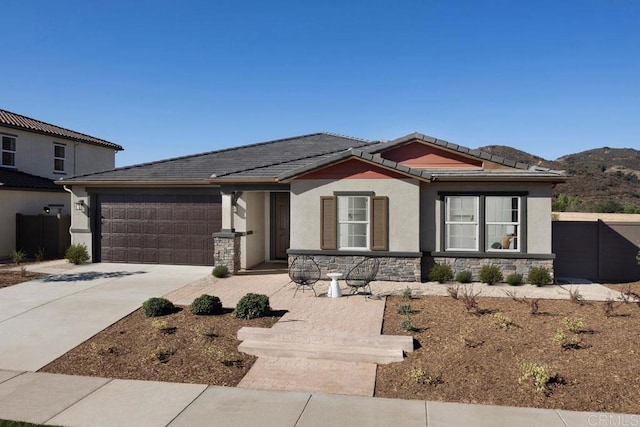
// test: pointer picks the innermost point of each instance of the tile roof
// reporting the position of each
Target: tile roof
(17, 121)
(264, 160)
(11, 178)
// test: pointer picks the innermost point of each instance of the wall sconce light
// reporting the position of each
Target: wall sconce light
(46, 209)
(80, 205)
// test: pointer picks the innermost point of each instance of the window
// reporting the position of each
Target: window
(484, 223)
(58, 157)
(8, 151)
(353, 222)
(502, 223)
(461, 223)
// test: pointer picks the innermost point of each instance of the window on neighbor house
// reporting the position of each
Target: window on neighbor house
(482, 223)
(58, 157)
(8, 151)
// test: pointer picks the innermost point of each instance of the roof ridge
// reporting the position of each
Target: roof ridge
(349, 137)
(56, 126)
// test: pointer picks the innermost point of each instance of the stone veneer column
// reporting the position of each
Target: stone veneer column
(226, 250)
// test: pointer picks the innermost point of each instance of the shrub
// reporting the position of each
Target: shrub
(77, 253)
(539, 373)
(469, 298)
(539, 276)
(490, 274)
(609, 306)
(514, 279)
(574, 324)
(407, 325)
(575, 297)
(440, 273)
(206, 304)
(464, 276)
(407, 293)
(567, 342)
(405, 308)
(453, 291)
(252, 305)
(503, 321)
(423, 376)
(163, 326)
(18, 256)
(154, 307)
(220, 271)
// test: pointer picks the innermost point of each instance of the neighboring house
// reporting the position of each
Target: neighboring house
(34, 154)
(409, 202)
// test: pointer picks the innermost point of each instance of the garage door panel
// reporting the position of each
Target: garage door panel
(159, 229)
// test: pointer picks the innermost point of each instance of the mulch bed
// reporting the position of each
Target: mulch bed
(10, 278)
(179, 347)
(469, 358)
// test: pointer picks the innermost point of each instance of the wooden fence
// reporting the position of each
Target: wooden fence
(48, 234)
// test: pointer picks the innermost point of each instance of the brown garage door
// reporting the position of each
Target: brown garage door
(158, 229)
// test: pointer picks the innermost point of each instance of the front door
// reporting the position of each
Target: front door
(280, 237)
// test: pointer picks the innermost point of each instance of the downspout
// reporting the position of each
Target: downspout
(70, 204)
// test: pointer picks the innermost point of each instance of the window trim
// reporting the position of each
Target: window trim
(523, 195)
(475, 222)
(56, 158)
(517, 224)
(13, 152)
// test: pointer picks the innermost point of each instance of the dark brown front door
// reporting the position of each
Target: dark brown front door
(281, 225)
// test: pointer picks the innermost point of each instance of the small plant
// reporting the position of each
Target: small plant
(464, 276)
(534, 305)
(469, 298)
(40, 255)
(163, 354)
(574, 324)
(503, 321)
(539, 276)
(154, 307)
(453, 291)
(163, 326)
(565, 341)
(252, 305)
(407, 293)
(206, 304)
(514, 279)
(540, 375)
(490, 274)
(468, 339)
(77, 253)
(608, 307)
(407, 325)
(220, 271)
(405, 308)
(18, 256)
(440, 273)
(575, 297)
(423, 376)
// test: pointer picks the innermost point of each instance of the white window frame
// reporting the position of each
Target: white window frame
(13, 152)
(516, 225)
(344, 201)
(56, 158)
(474, 220)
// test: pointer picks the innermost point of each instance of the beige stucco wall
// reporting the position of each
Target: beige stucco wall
(80, 220)
(404, 209)
(249, 218)
(27, 203)
(538, 212)
(34, 155)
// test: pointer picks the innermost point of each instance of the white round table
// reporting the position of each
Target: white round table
(334, 287)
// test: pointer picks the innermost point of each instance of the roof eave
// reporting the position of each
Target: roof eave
(106, 144)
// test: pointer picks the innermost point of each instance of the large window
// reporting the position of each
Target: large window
(353, 222)
(58, 157)
(462, 223)
(8, 151)
(484, 223)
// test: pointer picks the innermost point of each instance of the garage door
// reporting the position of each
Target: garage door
(158, 229)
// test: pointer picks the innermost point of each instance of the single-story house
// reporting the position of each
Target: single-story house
(409, 202)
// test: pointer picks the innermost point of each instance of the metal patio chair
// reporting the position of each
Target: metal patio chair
(304, 271)
(362, 274)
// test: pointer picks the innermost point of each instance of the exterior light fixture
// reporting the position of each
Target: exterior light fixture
(80, 205)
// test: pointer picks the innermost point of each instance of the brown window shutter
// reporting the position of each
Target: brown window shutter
(328, 222)
(380, 223)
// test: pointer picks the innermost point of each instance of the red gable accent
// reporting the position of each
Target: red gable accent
(353, 169)
(421, 156)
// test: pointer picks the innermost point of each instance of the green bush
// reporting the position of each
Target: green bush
(77, 253)
(405, 308)
(490, 274)
(251, 306)
(440, 273)
(464, 276)
(220, 271)
(206, 304)
(539, 276)
(514, 279)
(18, 256)
(154, 307)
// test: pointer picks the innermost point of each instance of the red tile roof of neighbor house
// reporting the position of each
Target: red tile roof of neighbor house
(18, 121)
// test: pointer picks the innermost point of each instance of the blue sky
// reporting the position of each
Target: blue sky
(168, 78)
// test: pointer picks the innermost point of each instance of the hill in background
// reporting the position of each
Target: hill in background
(600, 180)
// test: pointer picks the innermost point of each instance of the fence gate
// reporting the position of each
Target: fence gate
(46, 233)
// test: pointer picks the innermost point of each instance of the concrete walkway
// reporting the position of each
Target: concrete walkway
(86, 401)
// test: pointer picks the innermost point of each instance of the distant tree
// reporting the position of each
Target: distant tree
(609, 206)
(565, 203)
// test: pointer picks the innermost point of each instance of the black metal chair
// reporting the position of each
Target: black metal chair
(304, 271)
(362, 274)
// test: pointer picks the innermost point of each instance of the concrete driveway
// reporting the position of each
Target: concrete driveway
(43, 319)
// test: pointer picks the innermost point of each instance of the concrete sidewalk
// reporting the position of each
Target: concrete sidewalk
(43, 319)
(83, 401)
